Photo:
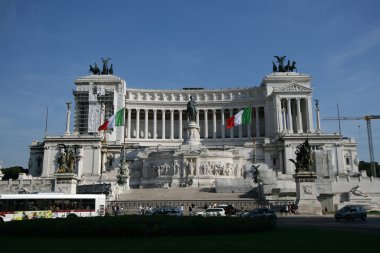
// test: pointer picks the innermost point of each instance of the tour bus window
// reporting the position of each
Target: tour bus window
(88, 203)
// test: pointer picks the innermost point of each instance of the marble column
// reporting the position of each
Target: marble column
(318, 116)
(171, 124)
(146, 124)
(257, 121)
(67, 132)
(163, 124)
(283, 117)
(214, 124)
(290, 118)
(104, 160)
(138, 123)
(180, 124)
(206, 124)
(129, 123)
(310, 127)
(279, 115)
(299, 116)
(154, 124)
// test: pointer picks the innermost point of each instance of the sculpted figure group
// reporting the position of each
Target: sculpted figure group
(66, 159)
(105, 70)
(290, 67)
(303, 157)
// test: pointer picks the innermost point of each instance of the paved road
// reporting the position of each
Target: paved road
(372, 224)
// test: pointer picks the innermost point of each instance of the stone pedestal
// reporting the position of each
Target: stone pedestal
(66, 183)
(191, 133)
(306, 193)
(123, 182)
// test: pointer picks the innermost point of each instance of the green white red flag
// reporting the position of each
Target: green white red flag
(242, 117)
(115, 120)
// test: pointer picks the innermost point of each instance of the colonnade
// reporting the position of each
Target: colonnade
(294, 115)
(166, 123)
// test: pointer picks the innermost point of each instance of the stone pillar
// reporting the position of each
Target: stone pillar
(171, 124)
(307, 193)
(191, 130)
(138, 123)
(129, 123)
(104, 159)
(231, 129)
(66, 183)
(310, 127)
(281, 163)
(283, 117)
(206, 124)
(318, 116)
(257, 121)
(280, 126)
(290, 118)
(163, 124)
(299, 117)
(80, 162)
(46, 163)
(214, 124)
(68, 119)
(146, 124)
(198, 118)
(223, 126)
(154, 124)
(180, 124)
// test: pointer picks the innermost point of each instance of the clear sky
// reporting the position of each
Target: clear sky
(46, 44)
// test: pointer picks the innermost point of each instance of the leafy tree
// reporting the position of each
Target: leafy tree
(367, 167)
(12, 172)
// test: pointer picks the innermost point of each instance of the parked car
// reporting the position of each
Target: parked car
(170, 211)
(351, 212)
(261, 213)
(217, 212)
(230, 210)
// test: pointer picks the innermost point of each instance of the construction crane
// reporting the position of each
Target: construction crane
(369, 132)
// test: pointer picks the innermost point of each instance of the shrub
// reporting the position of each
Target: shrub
(134, 225)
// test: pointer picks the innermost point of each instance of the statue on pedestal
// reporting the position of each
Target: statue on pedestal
(123, 172)
(66, 159)
(191, 110)
(303, 157)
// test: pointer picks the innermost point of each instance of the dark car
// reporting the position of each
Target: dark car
(230, 210)
(261, 213)
(169, 211)
(351, 212)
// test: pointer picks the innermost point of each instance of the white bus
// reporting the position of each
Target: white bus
(50, 205)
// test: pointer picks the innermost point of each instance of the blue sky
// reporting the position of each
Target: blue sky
(45, 45)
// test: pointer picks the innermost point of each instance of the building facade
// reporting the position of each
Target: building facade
(163, 149)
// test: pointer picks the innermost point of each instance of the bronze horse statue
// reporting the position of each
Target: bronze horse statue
(95, 70)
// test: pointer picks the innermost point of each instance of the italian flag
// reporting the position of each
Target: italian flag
(242, 117)
(115, 120)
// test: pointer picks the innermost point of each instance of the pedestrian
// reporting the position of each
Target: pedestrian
(190, 211)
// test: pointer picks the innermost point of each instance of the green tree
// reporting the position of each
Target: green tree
(12, 172)
(367, 167)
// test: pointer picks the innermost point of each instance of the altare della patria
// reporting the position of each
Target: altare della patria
(253, 143)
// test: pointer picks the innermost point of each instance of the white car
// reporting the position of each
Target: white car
(217, 212)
